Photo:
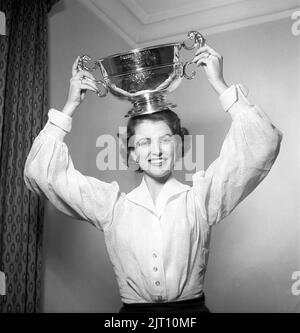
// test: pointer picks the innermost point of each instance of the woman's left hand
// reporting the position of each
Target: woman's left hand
(212, 62)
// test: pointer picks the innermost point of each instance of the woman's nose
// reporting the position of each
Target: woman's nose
(156, 147)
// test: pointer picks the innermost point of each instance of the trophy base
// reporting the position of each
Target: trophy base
(148, 105)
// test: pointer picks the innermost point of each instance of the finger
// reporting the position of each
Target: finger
(89, 76)
(82, 94)
(93, 87)
(75, 66)
(208, 49)
(201, 56)
(84, 73)
(202, 49)
(202, 62)
(206, 57)
(91, 81)
(79, 83)
(85, 86)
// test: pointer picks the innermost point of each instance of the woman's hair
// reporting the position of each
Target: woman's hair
(167, 116)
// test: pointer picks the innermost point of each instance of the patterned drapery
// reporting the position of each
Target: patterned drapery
(23, 110)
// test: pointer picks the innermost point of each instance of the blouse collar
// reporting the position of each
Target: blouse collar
(141, 195)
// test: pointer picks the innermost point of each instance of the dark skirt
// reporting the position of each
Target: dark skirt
(196, 305)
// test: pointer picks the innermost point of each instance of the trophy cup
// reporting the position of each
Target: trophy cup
(143, 76)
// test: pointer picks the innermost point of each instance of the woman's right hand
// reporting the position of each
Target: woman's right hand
(80, 82)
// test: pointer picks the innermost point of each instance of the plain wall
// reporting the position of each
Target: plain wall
(78, 276)
(255, 250)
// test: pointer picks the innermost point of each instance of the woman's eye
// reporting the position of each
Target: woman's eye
(166, 140)
(143, 143)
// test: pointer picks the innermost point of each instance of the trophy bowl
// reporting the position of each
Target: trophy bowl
(143, 76)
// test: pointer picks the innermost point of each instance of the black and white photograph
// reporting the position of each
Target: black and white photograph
(149, 158)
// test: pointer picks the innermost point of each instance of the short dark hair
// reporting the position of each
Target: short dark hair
(168, 116)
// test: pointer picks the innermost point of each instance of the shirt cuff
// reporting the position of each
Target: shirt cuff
(234, 93)
(60, 119)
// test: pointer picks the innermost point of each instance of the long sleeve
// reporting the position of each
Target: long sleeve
(247, 155)
(49, 171)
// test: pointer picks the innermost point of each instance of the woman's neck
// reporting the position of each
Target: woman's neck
(155, 184)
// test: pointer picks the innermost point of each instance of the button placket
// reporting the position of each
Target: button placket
(155, 268)
(157, 265)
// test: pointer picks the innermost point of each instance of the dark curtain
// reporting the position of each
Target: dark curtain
(23, 111)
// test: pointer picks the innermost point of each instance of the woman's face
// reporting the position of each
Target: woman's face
(154, 148)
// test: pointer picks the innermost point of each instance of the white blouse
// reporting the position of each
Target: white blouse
(159, 251)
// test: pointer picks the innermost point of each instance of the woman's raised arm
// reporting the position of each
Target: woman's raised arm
(49, 169)
(248, 152)
(247, 155)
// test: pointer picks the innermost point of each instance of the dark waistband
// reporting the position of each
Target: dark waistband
(195, 301)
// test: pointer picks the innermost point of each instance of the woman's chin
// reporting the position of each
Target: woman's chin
(157, 173)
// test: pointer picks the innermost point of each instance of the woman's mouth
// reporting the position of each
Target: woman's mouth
(157, 161)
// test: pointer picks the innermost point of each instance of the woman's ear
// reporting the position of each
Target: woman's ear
(133, 155)
(133, 162)
(178, 148)
(178, 152)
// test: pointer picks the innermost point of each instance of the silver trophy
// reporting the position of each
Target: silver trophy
(144, 76)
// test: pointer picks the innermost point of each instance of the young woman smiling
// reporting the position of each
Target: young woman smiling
(157, 235)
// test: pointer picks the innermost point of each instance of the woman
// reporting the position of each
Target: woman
(157, 236)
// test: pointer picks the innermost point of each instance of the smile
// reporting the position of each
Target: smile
(157, 161)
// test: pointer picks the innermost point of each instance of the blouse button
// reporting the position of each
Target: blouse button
(157, 283)
(155, 269)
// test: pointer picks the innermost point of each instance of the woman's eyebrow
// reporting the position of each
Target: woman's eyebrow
(146, 137)
(142, 139)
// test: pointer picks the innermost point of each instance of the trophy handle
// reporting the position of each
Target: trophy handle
(82, 66)
(199, 41)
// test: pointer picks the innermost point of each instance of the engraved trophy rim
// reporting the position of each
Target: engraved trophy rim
(144, 78)
(138, 50)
